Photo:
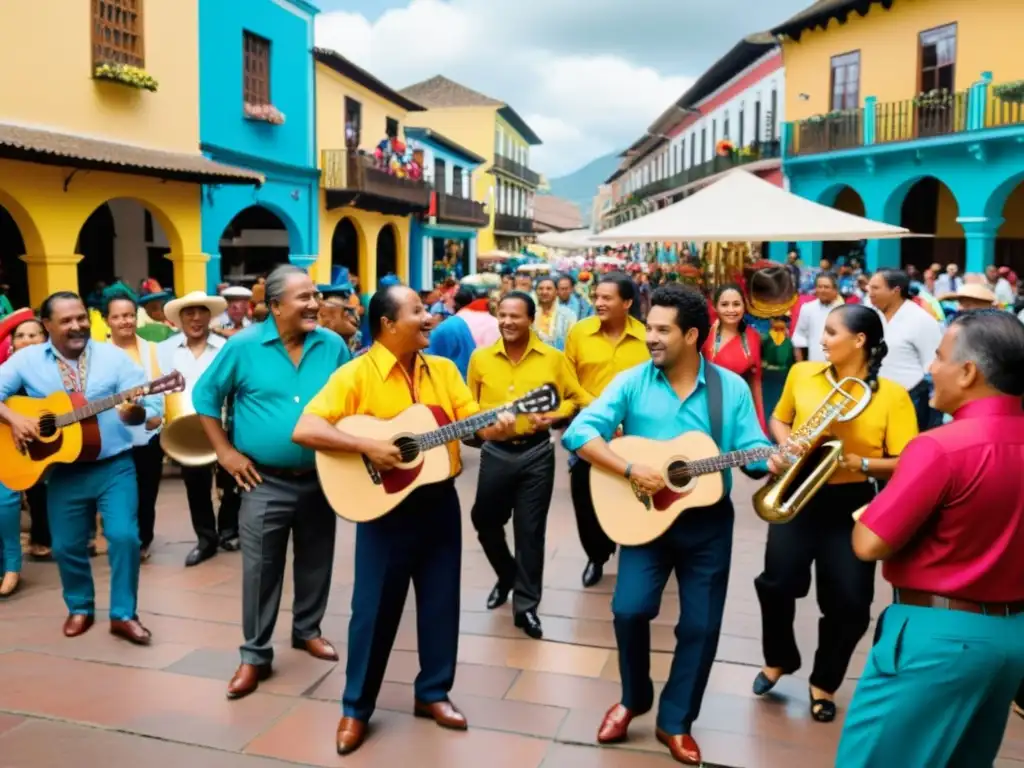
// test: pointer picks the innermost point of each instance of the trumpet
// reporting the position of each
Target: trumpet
(183, 437)
(779, 501)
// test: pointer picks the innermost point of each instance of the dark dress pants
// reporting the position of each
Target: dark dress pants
(210, 529)
(595, 542)
(418, 542)
(516, 481)
(38, 515)
(698, 547)
(820, 536)
(149, 468)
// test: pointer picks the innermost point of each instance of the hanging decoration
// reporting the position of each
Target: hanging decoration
(397, 158)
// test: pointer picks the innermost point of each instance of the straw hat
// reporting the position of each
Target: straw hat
(972, 291)
(236, 292)
(173, 308)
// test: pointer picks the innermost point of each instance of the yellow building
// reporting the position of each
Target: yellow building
(100, 169)
(911, 112)
(493, 130)
(365, 211)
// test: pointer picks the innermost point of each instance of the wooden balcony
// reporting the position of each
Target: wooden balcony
(459, 210)
(512, 225)
(352, 178)
(516, 170)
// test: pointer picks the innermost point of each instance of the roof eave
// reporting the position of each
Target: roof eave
(444, 141)
(810, 17)
(338, 63)
(512, 118)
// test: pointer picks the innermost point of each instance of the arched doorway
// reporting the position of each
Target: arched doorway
(345, 248)
(1010, 236)
(848, 200)
(122, 240)
(13, 271)
(252, 244)
(930, 208)
(387, 251)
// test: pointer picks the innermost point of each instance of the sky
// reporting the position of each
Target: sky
(587, 75)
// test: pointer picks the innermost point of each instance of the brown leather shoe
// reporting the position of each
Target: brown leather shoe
(247, 679)
(318, 648)
(78, 624)
(444, 713)
(9, 584)
(132, 631)
(682, 747)
(615, 725)
(351, 734)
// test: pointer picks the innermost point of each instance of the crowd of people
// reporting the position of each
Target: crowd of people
(272, 372)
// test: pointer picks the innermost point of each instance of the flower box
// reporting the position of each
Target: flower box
(266, 113)
(936, 99)
(125, 74)
(1011, 93)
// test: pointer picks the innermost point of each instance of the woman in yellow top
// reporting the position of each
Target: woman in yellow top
(854, 345)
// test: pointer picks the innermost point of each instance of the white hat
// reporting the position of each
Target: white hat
(970, 291)
(236, 292)
(173, 308)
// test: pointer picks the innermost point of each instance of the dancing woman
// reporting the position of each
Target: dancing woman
(734, 345)
(854, 346)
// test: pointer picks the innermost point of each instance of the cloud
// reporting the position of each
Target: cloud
(581, 102)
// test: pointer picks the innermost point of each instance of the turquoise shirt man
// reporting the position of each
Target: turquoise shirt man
(269, 390)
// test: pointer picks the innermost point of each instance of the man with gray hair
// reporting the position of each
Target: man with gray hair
(271, 370)
(949, 526)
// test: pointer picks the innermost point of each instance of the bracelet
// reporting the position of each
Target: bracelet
(864, 466)
(629, 471)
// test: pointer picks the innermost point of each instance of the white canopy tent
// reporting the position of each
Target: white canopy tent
(572, 240)
(742, 207)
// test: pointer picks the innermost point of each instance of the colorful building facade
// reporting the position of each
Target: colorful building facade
(370, 190)
(100, 170)
(444, 243)
(495, 131)
(257, 109)
(911, 112)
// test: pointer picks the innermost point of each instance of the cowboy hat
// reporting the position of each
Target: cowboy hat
(236, 292)
(972, 291)
(173, 308)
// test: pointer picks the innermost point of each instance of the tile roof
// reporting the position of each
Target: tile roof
(41, 146)
(821, 12)
(439, 92)
(357, 74)
(556, 213)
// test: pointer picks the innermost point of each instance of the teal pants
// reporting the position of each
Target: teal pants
(10, 531)
(936, 690)
(75, 492)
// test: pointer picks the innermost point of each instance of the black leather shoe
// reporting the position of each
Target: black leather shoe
(199, 555)
(530, 624)
(230, 544)
(593, 573)
(498, 597)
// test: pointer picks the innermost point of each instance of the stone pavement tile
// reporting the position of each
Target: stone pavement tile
(186, 604)
(306, 735)
(9, 723)
(576, 756)
(47, 744)
(537, 655)
(160, 704)
(100, 646)
(564, 691)
(295, 672)
(470, 679)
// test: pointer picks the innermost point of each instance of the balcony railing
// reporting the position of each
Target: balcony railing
(459, 210)
(504, 222)
(516, 169)
(924, 117)
(355, 174)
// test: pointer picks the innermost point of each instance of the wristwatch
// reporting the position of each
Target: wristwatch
(864, 466)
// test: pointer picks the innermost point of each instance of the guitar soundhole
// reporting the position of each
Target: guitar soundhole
(47, 425)
(678, 477)
(409, 448)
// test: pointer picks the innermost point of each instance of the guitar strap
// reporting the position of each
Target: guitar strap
(713, 382)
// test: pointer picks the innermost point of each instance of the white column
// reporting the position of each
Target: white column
(472, 255)
(427, 263)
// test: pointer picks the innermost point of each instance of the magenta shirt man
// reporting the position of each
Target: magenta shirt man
(948, 654)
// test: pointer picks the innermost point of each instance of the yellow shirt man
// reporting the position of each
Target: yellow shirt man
(597, 360)
(376, 385)
(881, 430)
(494, 379)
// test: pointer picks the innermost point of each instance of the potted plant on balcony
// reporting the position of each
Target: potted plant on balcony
(125, 74)
(938, 98)
(266, 113)
(1011, 93)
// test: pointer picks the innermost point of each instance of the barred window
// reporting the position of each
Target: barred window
(256, 86)
(117, 33)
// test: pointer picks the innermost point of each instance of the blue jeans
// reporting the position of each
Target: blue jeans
(10, 531)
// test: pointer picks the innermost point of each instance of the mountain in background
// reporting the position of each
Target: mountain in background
(581, 186)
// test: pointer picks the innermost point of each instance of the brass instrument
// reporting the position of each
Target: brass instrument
(779, 501)
(183, 437)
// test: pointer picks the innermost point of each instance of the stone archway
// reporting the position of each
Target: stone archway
(255, 241)
(844, 198)
(1005, 208)
(926, 205)
(13, 270)
(387, 251)
(345, 244)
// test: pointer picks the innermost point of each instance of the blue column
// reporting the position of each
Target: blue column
(302, 260)
(869, 119)
(787, 137)
(980, 233)
(810, 253)
(977, 102)
(881, 254)
(777, 252)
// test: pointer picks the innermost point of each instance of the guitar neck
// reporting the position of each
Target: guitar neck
(451, 433)
(728, 461)
(96, 407)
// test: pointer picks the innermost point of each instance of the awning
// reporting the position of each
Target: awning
(742, 207)
(49, 148)
(575, 239)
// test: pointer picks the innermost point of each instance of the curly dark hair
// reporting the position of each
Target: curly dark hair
(690, 305)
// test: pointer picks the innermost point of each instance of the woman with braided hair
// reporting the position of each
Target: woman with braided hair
(854, 346)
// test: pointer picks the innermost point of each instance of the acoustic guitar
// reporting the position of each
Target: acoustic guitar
(691, 466)
(357, 491)
(68, 430)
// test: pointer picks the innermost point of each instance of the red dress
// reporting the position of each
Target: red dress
(742, 359)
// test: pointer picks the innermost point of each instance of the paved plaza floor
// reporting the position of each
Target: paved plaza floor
(98, 701)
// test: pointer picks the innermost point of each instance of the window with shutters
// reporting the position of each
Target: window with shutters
(256, 70)
(845, 81)
(117, 36)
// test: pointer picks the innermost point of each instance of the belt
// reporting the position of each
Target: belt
(285, 474)
(928, 600)
(520, 445)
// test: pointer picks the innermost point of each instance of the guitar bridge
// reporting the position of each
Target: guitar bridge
(372, 471)
(642, 497)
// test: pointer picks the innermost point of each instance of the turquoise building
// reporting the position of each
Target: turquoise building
(258, 110)
(449, 230)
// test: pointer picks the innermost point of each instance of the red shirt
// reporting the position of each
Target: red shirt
(954, 508)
